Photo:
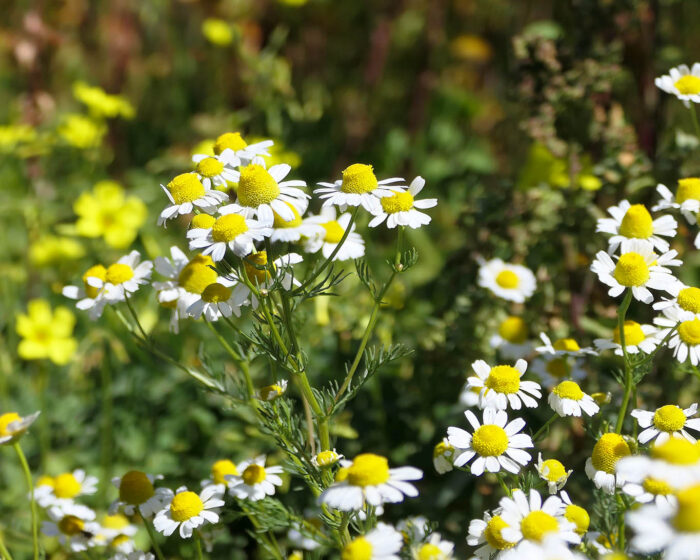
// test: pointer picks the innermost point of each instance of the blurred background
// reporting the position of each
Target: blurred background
(527, 119)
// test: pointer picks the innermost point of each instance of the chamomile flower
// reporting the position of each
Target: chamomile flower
(665, 422)
(567, 399)
(553, 473)
(469, 396)
(230, 230)
(292, 231)
(13, 426)
(552, 370)
(274, 391)
(531, 520)
(444, 454)
(551, 548)
(66, 486)
(185, 192)
(501, 386)
(89, 298)
(675, 462)
(213, 172)
(638, 269)
(122, 278)
(512, 282)
(648, 490)
(325, 459)
(683, 82)
(511, 340)
(188, 511)
(73, 531)
(413, 528)
(382, 543)
(254, 265)
(496, 444)
(575, 514)
(255, 481)
(359, 187)
(436, 548)
(330, 235)
(137, 490)
(638, 338)
(399, 209)
(600, 467)
(685, 341)
(219, 471)
(685, 298)
(263, 193)
(562, 347)
(687, 198)
(633, 221)
(487, 534)
(113, 527)
(230, 148)
(368, 479)
(218, 299)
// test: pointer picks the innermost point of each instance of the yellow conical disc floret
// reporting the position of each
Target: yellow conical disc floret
(280, 222)
(507, 279)
(216, 293)
(186, 187)
(689, 299)
(204, 221)
(327, 458)
(7, 419)
(493, 536)
(66, 486)
(399, 202)
(231, 141)
(254, 474)
(657, 487)
(503, 379)
(687, 519)
(368, 469)
(185, 505)
(677, 451)
(254, 264)
(358, 179)
(209, 167)
(514, 330)
(221, 469)
(568, 390)
(688, 189)
(537, 524)
(633, 334)
(71, 525)
(566, 344)
(490, 440)
(97, 271)
(442, 448)
(334, 232)
(608, 450)
(119, 273)
(554, 469)
(256, 186)
(228, 227)
(689, 332)
(579, 517)
(637, 223)
(631, 270)
(430, 551)
(357, 549)
(688, 85)
(669, 418)
(197, 274)
(117, 521)
(135, 488)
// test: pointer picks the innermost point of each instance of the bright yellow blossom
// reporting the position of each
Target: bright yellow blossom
(102, 104)
(53, 249)
(81, 132)
(217, 32)
(46, 333)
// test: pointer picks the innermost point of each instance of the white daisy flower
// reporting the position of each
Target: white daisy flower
(188, 511)
(230, 230)
(219, 471)
(687, 198)
(413, 528)
(551, 548)
(382, 543)
(263, 193)
(434, 549)
(675, 462)
(115, 527)
(665, 422)
(253, 265)
(638, 269)
(469, 396)
(73, 531)
(497, 443)
(634, 222)
(359, 187)
(326, 458)
(13, 426)
(89, 298)
(600, 467)
(567, 399)
(443, 456)
(218, 299)
(124, 277)
(255, 481)
(685, 298)
(487, 534)
(531, 520)
(512, 282)
(648, 490)
(511, 341)
(136, 490)
(368, 479)
(501, 386)
(185, 192)
(331, 233)
(683, 82)
(563, 347)
(65, 488)
(685, 341)
(213, 172)
(553, 473)
(399, 209)
(231, 149)
(292, 231)
(638, 338)
(271, 392)
(575, 514)
(552, 370)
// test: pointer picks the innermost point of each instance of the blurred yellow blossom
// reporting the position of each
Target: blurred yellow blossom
(46, 333)
(217, 31)
(81, 131)
(471, 47)
(12, 135)
(52, 249)
(107, 212)
(102, 104)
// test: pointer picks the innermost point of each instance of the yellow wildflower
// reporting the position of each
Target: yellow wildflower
(217, 32)
(81, 132)
(102, 104)
(53, 249)
(46, 333)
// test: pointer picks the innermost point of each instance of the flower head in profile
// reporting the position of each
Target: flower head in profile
(254, 480)
(65, 488)
(367, 479)
(359, 187)
(633, 221)
(638, 338)
(232, 150)
(327, 458)
(575, 514)
(444, 454)
(486, 534)
(213, 172)
(563, 347)
(75, 530)
(89, 298)
(675, 462)
(187, 511)
(402, 209)
(683, 82)
(187, 192)
(218, 299)
(381, 543)
(685, 340)
(501, 386)
(511, 340)
(647, 490)
(46, 333)
(230, 230)
(435, 548)
(567, 399)
(553, 473)
(219, 471)
(600, 466)
(122, 278)
(496, 444)
(667, 421)
(512, 282)
(331, 229)
(264, 275)
(686, 199)
(13, 426)
(137, 490)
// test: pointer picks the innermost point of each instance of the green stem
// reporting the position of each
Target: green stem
(621, 314)
(151, 535)
(545, 426)
(3, 550)
(198, 541)
(106, 428)
(620, 544)
(240, 362)
(135, 316)
(695, 120)
(503, 484)
(32, 501)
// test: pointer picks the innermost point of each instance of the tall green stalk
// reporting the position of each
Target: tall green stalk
(32, 500)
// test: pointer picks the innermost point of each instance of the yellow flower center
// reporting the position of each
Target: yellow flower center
(566, 344)
(256, 186)
(637, 223)
(326, 458)
(228, 227)
(358, 179)
(209, 167)
(687, 519)
(503, 379)
(568, 390)
(7, 419)
(97, 271)
(429, 551)
(368, 469)
(677, 451)
(442, 448)
(554, 469)
(66, 486)
(490, 440)
(71, 525)
(117, 521)
(342, 474)
(185, 505)
(669, 418)
(334, 232)
(221, 468)
(230, 140)
(196, 275)
(45, 481)
(558, 368)
(688, 189)
(204, 221)
(608, 450)
(633, 334)
(216, 293)
(135, 488)
(251, 262)
(399, 202)
(579, 517)
(514, 330)
(281, 223)
(507, 279)
(689, 299)
(536, 524)
(358, 549)
(119, 273)
(119, 540)
(271, 392)
(656, 487)
(631, 270)
(492, 533)
(186, 187)
(688, 85)
(253, 474)
(689, 331)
